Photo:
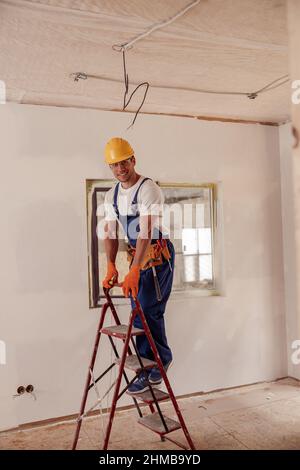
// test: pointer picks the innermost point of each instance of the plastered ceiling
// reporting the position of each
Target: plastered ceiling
(220, 45)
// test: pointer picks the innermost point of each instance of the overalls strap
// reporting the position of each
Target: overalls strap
(134, 200)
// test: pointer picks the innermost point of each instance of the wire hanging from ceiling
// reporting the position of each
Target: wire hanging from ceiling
(126, 81)
(123, 47)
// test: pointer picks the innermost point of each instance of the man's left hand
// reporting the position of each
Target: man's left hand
(131, 282)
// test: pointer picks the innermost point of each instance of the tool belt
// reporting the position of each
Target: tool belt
(156, 254)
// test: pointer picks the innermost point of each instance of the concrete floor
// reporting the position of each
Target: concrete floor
(261, 416)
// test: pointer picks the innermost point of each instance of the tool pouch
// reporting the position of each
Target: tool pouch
(156, 254)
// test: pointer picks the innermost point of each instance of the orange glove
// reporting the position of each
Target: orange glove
(131, 282)
(111, 277)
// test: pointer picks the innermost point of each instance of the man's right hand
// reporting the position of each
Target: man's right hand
(111, 277)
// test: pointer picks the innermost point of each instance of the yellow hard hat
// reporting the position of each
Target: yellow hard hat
(117, 149)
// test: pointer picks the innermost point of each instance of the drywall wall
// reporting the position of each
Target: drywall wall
(46, 155)
(293, 169)
(289, 249)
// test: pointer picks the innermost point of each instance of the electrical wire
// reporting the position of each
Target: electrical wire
(126, 82)
(122, 47)
(284, 78)
(80, 75)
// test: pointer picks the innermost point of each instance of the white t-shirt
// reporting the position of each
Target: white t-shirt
(150, 201)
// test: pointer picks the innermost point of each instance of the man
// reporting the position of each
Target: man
(135, 204)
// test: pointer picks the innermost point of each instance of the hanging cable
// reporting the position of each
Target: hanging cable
(123, 47)
(126, 82)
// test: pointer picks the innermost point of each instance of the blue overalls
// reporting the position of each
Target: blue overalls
(153, 309)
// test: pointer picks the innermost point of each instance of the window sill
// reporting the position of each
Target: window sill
(117, 301)
(175, 294)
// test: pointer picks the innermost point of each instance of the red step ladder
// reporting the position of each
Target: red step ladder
(155, 421)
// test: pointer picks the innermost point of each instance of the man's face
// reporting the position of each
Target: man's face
(123, 170)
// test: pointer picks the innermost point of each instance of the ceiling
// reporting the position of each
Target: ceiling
(219, 45)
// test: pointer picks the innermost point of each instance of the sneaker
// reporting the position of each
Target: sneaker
(155, 377)
(139, 385)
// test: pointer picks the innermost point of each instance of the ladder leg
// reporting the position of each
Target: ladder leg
(163, 373)
(118, 383)
(88, 379)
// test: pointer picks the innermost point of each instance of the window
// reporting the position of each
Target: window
(197, 254)
(189, 216)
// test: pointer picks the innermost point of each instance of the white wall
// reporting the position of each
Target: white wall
(289, 245)
(46, 154)
(292, 166)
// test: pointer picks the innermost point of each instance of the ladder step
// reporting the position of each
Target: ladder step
(146, 397)
(132, 363)
(120, 331)
(154, 423)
